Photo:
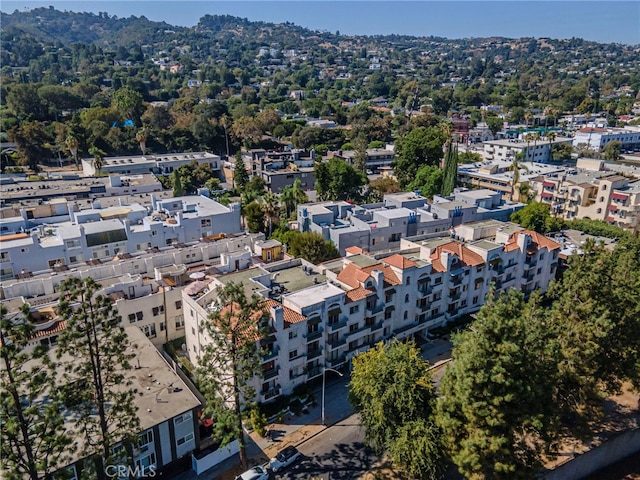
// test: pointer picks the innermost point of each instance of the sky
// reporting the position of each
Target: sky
(602, 21)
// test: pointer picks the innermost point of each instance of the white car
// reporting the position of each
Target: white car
(255, 473)
(284, 458)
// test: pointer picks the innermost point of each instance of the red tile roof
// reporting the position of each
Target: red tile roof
(466, 255)
(358, 294)
(399, 261)
(290, 316)
(53, 329)
(354, 250)
(352, 275)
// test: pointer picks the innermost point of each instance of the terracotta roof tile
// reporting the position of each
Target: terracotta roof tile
(53, 329)
(290, 316)
(352, 275)
(390, 277)
(466, 255)
(358, 294)
(354, 250)
(399, 261)
(543, 241)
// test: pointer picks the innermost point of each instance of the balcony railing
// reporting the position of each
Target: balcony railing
(270, 373)
(455, 296)
(425, 290)
(270, 354)
(311, 336)
(373, 309)
(336, 361)
(457, 280)
(313, 372)
(375, 326)
(337, 343)
(314, 353)
(272, 393)
(337, 325)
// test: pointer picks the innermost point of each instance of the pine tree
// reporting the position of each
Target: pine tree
(240, 174)
(450, 170)
(231, 361)
(178, 189)
(97, 384)
(33, 435)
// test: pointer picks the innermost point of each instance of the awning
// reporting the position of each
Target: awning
(619, 196)
(610, 220)
(195, 287)
(613, 208)
(548, 184)
(546, 195)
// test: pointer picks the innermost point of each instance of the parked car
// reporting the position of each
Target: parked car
(284, 458)
(255, 473)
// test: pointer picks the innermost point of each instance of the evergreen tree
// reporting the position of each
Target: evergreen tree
(97, 386)
(231, 361)
(34, 438)
(240, 174)
(450, 170)
(176, 179)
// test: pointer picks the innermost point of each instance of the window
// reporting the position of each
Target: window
(185, 439)
(162, 326)
(408, 280)
(406, 298)
(132, 317)
(406, 315)
(438, 281)
(145, 438)
(139, 315)
(205, 222)
(193, 330)
(182, 418)
(4, 256)
(354, 309)
(353, 327)
(293, 334)
(475, 300)
(435, 311)
(293, 354)
(179, 321)
(178, 304)
(157, 310)
(149, 330)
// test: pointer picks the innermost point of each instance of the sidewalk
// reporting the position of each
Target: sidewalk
(294, 430)
(298, 429)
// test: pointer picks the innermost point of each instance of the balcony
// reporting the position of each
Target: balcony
(375, 326)
(270, 354)
(272, 393)
(455, 297)
(424, 307)
(527, 277)
(311, 336)
(270, 373)
(373, 309)
(337, 361)
(337, 343)
(499, 269)
(314, 354)
(406, 328)
(313, 372)
(425, 290)
(457, 280)
(337, 325)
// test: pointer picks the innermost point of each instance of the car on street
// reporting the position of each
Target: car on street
(284, 458)
(255, 473)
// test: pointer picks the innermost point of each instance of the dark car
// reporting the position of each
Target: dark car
(284, 458)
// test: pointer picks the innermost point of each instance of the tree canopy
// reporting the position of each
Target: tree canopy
(536, 216)
(337, 180)
(421, 146)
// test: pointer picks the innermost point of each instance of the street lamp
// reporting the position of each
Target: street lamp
(324, 376)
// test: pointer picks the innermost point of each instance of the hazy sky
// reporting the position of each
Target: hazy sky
(603, 21)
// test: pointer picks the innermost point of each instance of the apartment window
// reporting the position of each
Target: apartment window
(406, 298)
(438, 280)
(145, 438)
(157, 310)
(539, 270)
(187, 438)
(437, 296)
(4, 256)
(179, 321)
(293, 334)
(178, 304)
(162, 326)
(293, 354)
(149, 330)
(475, 300)
(408, 280)
(406, 315)
(353, 327)
(139, 315)
(205, 222)
(71, 244)
(435, 312)
(132, 318)
(182, 418)
(193, 330)
(354, 309)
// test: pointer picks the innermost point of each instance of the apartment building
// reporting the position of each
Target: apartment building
(160, 164)
(376, 157)
(167, 410)
(597, 195)
(20, 192)
(322, 316)
(596, 138)
(377, 227)
(146, 289)
(538, 151)
(99, 234)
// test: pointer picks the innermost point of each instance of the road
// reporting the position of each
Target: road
(338, 453)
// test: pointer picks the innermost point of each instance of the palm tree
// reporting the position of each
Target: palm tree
(551, 136)
(98, 158)
(528, 137)
(292, 195)
(515, 167)
(536, 137)
(71, 143)
(141, 138)
(270, 207)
